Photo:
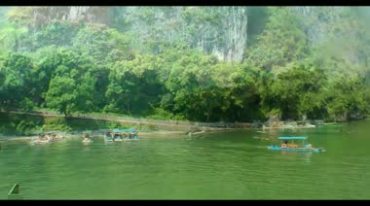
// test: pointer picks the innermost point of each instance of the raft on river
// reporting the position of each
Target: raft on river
(48, 137)
(118, 135)
(291, 147)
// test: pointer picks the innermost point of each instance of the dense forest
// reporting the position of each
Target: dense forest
(195, 63)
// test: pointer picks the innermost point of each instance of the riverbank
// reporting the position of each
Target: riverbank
(154, 127)
(290, 125)
(142, 135)
(151, 124)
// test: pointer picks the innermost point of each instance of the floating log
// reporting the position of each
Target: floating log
(14, 189)
(14, 192)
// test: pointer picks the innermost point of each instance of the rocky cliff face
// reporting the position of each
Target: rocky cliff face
(39, 16)
(234, 33)
(318, 21)
(221, 31)
(224, 33)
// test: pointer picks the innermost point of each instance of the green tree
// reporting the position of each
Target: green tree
(282, 41)
(133, 85)
(296, 91)
(16, 84)
(61, 95)
(102, 43)
(348, 98)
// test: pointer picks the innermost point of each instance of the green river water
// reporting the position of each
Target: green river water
(226, 165)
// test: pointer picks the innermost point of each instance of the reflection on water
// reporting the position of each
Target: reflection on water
(229, 165)
(304, 156)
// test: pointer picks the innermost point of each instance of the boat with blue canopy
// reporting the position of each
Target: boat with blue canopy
(288, 144)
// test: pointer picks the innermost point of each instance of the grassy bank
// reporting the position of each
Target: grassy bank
(148, 123)
(42, 120)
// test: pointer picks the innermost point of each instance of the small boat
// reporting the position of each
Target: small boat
(47, 137)
(291, 147)
(119, 135)
(117, 139)
(135, 138)
(54, 137)
(86, 140)
(108, 138)
(40, 140)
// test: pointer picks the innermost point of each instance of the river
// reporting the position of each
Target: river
(225, 165)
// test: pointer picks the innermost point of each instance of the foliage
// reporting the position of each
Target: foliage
(158, 62)
(282, 41)
(133, 85)
(15, 73)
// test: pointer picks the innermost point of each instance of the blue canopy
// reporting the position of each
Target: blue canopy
(119, 130)
(124, 130)
(292, 138)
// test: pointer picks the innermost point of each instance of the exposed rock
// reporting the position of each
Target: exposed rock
(317, 122)
(257, 124)
(286, 125)
(221, 31)
(39, 16)
(274, 121)
(308, 125)
(356, 116)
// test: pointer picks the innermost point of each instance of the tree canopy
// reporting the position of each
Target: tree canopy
(298, 62)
